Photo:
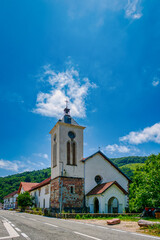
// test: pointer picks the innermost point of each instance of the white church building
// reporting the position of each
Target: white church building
(78, 183)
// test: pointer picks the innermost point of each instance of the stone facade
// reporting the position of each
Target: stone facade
(67, 193)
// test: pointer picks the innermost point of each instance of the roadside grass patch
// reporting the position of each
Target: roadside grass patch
(152, 230)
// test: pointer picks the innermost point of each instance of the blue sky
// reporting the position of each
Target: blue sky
(103, 56)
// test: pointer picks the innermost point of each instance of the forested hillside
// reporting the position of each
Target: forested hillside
(11, 183)
(129, 164)
(127, 160)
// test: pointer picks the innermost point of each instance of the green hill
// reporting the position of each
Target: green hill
(129, 164)
(11, 183)
(127, 160)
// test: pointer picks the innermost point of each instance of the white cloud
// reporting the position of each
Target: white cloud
(133, 9)
(148, 134)
(117, 148)
(63, 86)
(41, 155)
(155, 82)
(8, 165)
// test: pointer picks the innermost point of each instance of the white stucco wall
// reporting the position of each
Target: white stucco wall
(43, 196)
(113, 191)
(10, 202)
(97, 165)
(61, 130)
(22, 190)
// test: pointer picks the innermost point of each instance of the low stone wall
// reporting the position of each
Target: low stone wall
(47, 212)
(94, 215)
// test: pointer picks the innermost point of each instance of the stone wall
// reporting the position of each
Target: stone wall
(72, 194)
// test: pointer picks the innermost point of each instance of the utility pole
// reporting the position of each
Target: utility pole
(61, 188)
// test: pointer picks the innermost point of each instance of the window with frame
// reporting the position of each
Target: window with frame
(68, 153)
(72, 189)
(74, 153)
(47, 190)
(39, 190)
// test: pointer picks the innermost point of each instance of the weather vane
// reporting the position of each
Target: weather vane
(66, 103)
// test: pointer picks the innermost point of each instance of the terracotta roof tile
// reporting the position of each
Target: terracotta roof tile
(45, 182)
(11, 194)
(26, 186)
(100, 188)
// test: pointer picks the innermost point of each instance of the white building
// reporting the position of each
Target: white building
(106, 186)
(10, 201)
(41, 192)
(76, 183)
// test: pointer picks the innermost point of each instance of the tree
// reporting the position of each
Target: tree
(25, 200)
(144, 191)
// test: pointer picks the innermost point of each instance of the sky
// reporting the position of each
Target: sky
(102, 56)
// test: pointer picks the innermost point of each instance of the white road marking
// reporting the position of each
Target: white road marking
(12, 224)
(82, 234)
(10, 230)
(17, 229)
(32, 219)
(50, 224)
(118, 230)
(102, 227)
(145, 235)
(25, 235)
(88, 224)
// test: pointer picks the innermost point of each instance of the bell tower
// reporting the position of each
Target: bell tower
(67, 170)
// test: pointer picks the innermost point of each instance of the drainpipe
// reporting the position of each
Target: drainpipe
(61, 189)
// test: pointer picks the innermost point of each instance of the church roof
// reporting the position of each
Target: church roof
(106, 158)
(68, 119)
(11, 194)
(101, 188)
(26, 186)
(41, 184)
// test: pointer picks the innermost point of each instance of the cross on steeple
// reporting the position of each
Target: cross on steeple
(66, 110)
(66, 103)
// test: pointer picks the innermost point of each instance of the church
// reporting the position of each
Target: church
(76, 184)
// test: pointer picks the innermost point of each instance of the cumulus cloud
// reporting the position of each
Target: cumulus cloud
(155, 82)
(133, 9)
(64, 86)
(117, 148)
(8, 165)
(148, 134)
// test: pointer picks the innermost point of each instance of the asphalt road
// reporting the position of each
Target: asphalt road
(18, 226)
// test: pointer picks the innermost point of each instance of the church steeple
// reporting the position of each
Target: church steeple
(66, 110)
(67, 117)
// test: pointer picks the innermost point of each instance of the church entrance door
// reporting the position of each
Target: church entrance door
(113, 205)
(96, 205)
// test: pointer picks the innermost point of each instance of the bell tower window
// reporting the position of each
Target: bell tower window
(74, 153)
(68, 153)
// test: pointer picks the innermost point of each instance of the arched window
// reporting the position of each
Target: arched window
(68, 153)
(55, 154)
(74, 153)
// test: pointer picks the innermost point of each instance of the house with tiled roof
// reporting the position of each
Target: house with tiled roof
(26, 187)
(41, 193)
(10, 201)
